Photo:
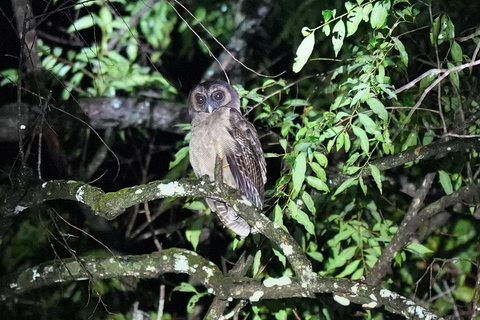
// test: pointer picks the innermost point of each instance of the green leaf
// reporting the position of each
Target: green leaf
(464, 294)
(379, 14)
(401, 49)
(316, 256)
(304, 52)
(456, 52)
(354, 18)
(301, 217)
(378, 108)
(418, 248)
(358, 274)
(84, 22)
(376, 176)
(281, 257)
(339, 142)
(343, 235)
(179, 156)
(10, 76)
(344, 256)
(347, 142)
(321, 158)
(445, 181)
(319, 171)
(338, 36)
(442, 29)
(349, 269)
(195, 205)
(193, 233)
(411, 141)
(360, 133)
(347, 183)
(362, 185)
(193, 301)
(298, 174)
(317, 184)
(369, 125)
(105, 15)
(185, 287)
(307, 199)
(454, 75)
(328, 14)
(361, 95)
(326, 30)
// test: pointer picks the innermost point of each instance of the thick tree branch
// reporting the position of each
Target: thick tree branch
(103, 113)
(420, 153)
(225, 288)
(112, 204)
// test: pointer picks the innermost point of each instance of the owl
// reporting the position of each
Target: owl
(219, 129)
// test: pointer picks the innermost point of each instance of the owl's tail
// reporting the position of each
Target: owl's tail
(230, 218)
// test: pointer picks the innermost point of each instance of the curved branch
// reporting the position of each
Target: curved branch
(112, 204)
(223, 287)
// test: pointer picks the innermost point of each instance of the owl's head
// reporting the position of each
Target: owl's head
(211, 95)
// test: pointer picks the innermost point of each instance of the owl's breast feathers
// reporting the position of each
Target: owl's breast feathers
(226, 133)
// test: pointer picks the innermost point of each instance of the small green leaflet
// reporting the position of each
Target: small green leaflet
(344, 256)
(442, 29)
(193, 301)
(193, 233)
(369, 125)
(307, 199)
(84, 22)
(456, 52)
(376, 176)
(316, 256)
(379, 14)
(360, 133)
(354, 18)
(401, 49)
(378, 108)
(445, 181)
(418, 248)
(298, 175)
(317, 184)
(304, 52)
(338, 36)
(454, 75)
(349, 269)
(185, 287)
(179, 156)
(347, 183)
(301, 217)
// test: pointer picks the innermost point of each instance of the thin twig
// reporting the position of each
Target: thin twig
(161, 302)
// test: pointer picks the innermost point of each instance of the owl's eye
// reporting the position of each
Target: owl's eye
(200, 99)
(218, 95)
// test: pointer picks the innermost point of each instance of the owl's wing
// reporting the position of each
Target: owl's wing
(246, 161)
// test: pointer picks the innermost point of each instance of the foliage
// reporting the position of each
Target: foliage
(344, 107)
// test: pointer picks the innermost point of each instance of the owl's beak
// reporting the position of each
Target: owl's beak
(211, 107)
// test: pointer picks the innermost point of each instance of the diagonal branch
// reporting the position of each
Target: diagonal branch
(382, 266)
(410, 225)
(112, 204)
(440, 148)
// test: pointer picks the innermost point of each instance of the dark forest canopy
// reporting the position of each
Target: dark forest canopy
(368, 114)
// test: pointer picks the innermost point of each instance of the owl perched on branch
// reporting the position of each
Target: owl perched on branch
(219, 129)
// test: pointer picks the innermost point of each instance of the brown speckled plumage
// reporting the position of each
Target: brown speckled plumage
(218, 128)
